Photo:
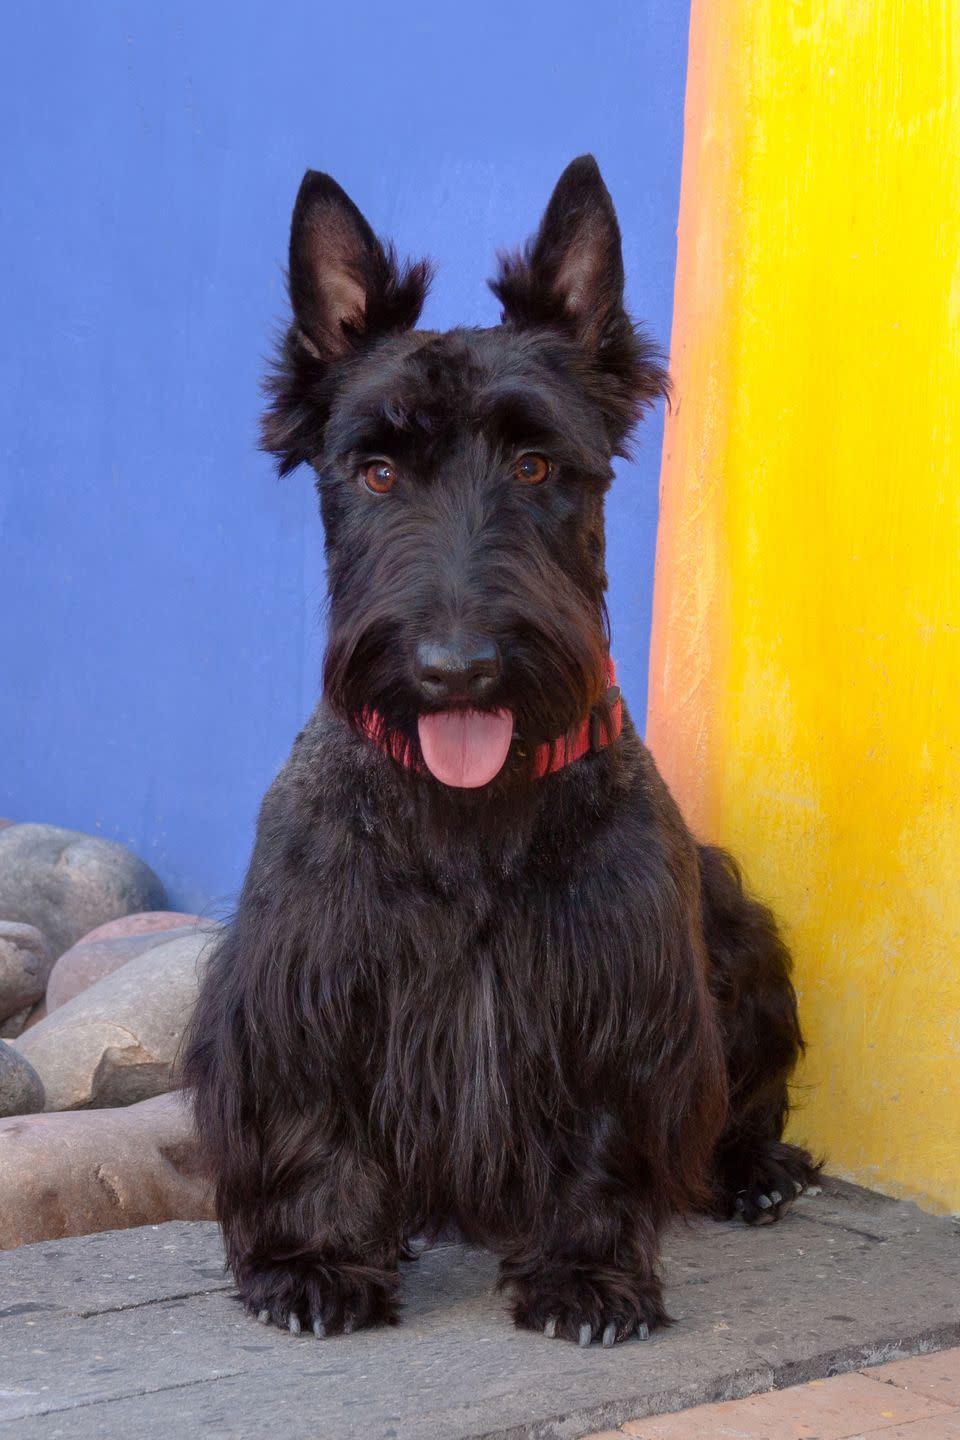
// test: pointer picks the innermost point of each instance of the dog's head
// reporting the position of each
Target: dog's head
(462, 475)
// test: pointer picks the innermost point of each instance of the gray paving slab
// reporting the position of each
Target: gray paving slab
(138, 1333)
(115, 1270)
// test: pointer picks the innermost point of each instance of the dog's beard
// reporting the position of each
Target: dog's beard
(552, 679)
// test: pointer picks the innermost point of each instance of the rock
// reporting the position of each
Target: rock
(21, 1089)
(39, 1012)
(25, 962)
(65, 883)
(117, 1042)
(91, 959)
(91, 1170)
(14, 1025)
(146, 922)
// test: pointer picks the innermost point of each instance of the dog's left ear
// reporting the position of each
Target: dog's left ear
(347, 290)
(570, 277)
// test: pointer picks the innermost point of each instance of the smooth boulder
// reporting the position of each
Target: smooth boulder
(34, 1016)
(25, 961)
(21, 1089)
(118, 1041)
(66, 883)
(91, 1170)
(144, 922)
(15, 1025)
(100, 953)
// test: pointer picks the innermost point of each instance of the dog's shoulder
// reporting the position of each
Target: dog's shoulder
(321, 793)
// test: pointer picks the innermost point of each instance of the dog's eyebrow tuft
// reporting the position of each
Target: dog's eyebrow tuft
(380, 420)
(518, 407)
(523, 413)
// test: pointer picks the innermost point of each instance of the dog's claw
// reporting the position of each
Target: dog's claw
(550, 1329)
(764, 1202)
(319, 1329)
(293, 1324)
(349, 1322)
(263, 1316)
(610, 1335)
(586, 1334)
(776, 1197)
(739, 1204)
(798, 1186)
(643, 1331)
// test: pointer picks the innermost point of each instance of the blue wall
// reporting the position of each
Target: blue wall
(159, 590)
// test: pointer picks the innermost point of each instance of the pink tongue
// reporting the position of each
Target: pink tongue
(465, 748)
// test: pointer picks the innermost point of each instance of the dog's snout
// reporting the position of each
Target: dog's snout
(458, 670)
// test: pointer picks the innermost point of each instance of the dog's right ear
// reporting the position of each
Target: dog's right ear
(344, 283)
(347, 289)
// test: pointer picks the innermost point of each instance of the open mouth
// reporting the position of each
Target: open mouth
(465, 748)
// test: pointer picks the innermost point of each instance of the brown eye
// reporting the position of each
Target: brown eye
(379, 476)
(532, 469)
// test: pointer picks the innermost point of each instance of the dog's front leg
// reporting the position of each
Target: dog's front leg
(306, 1203)
(591, 1272)
(319, 1249)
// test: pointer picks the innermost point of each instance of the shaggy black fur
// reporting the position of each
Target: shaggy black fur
(537, 1009)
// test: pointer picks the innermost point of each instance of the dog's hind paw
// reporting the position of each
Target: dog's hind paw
(319, 1298)
(771, 1181)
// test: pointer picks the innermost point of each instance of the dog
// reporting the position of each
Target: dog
(481, 974)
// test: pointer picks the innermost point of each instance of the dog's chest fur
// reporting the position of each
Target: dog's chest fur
(487, 974)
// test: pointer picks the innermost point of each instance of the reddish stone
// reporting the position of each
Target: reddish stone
(847, 1406)
(143, 923)
(99, 954)
(89, 1170)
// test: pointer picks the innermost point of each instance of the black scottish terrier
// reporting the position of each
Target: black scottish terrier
(481, 973)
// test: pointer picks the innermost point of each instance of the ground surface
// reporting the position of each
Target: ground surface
(916, 1399)
(136, 1333)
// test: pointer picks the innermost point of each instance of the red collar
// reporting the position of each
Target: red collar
(593, 733)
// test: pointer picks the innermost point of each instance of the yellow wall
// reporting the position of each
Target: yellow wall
(805, 680)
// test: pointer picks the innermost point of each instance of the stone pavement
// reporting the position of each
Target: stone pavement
(136, 1333)
(916, 1399)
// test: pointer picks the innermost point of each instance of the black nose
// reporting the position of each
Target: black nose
(465, 670)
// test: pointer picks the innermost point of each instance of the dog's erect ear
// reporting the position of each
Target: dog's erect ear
(332, 250)
(347, 289)
(344, 283)
(570, 277)
(572, 269)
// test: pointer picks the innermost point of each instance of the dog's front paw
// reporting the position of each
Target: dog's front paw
(588, 1303)
(319, 1297)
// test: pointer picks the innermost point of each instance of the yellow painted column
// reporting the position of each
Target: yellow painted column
(805, 667)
